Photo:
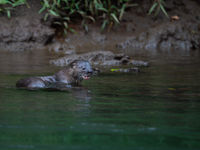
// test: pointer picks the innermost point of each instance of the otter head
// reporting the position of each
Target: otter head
(81, 69)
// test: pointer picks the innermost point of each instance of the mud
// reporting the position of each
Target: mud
(166, 38)
(25, 30)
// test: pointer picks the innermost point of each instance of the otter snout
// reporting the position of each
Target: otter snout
(87, 74)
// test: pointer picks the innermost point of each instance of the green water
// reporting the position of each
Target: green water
(158, 109)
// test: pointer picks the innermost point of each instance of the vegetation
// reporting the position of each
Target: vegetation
(157, 6)
(8, 5)
(108, 12)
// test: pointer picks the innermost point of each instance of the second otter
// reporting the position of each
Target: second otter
(71, 75)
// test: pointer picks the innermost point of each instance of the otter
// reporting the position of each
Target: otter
(73, 74)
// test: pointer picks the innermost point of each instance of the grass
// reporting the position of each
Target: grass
(109, 12)
(7, 5)
(158, 5)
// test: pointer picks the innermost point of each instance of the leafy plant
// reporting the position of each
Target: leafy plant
(111, 11)
(108, 11)
(8, 5)
(157, 6)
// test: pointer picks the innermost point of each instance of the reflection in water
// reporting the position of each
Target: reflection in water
(79, 92)
(36, 61)
(82, 94)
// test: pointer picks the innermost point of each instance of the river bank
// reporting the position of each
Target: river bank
(137, 35)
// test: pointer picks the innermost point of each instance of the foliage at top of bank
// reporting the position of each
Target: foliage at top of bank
(8, 5)
(108, 12)
(158, 5)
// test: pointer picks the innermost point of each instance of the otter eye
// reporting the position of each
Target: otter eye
(83, 68)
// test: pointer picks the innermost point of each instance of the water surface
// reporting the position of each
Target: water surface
(158, 108)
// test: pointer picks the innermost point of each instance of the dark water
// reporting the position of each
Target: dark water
(156, 109)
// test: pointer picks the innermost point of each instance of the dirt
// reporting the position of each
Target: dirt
(137, 34)
(24, 31)
(161, 34)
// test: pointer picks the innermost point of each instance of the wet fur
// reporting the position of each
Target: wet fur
(71, 75)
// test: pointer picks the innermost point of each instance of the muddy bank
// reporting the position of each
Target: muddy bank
(25, 30)
(175, 36)
(142, 35)
(161, 34)
(18, 34)
(137, 31)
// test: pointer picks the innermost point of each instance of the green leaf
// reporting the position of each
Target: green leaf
(46, 4)
(66, 25)
(81, 12)
(46, 16)
(71, 11)
(71, 30)
(77, 5)
(2, 2)
(54, 13)
(91, 9)
(152, 8)
(65, 31)
(8, 14)
(105, 22)
(163, 9)
(58, 23)
(113, 8)
(102, 9)
(114, 17)
(42, 9)
(86, 27)
(91, 18)
(122, 11)
(17, 3)
(58, 3)
(66, 18)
